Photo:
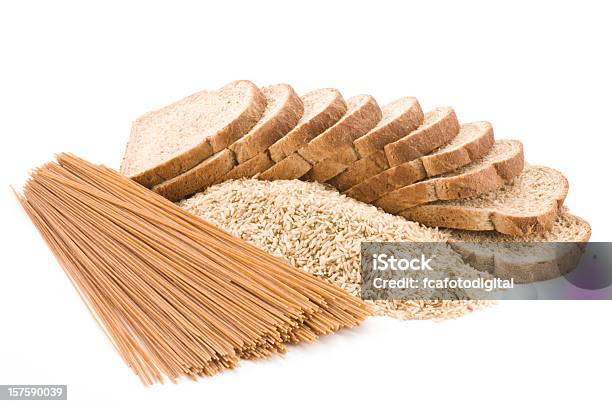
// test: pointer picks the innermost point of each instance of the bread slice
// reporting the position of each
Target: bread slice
(503, 162)
(251, 152)
(259, 163)
(399, 118)
(525, 258)
(291, 167)
(197, 178)
(283, 110)
(473, 141)
(322, 109)
(440, 124)
(438, 129)
(332, 166)
(360, 170)
(362, 115)
(528, 204)
(174, 139)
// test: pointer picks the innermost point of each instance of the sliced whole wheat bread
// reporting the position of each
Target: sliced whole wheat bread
(473, 141)
(439, 128)
(332, 166)
(359, 171)
(440, 125)
(362, 115)
(529, 258)
(174, 139)
(565, 227)
(398, 118)
(259, 163)
(251, 152)
(528, 204)
(283, 110)
(322, 109)
(292, 167)
(503, 162)
(197, 178)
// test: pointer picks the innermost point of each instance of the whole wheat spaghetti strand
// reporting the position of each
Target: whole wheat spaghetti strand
(135, 241)
(202, 225)
(248, 247)
(109, 226)
(131, 316)
(215, 245)
(284, 265)
(175, 295)
(126, 345)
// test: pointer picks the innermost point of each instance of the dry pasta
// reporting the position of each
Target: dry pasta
(176, 295)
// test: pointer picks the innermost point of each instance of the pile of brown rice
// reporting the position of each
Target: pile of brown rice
(319, 231)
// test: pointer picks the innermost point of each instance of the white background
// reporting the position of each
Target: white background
(74, 75)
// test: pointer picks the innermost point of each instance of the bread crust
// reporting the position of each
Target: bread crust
(528, 272)
(306, 131)
(258, 139)
(259, 163)
(427, 166)
(261, 137)
(447, 161)
(525, 272)
(424, 139)
(188, 159)
(197, 178)
(332, 165)
(404, 123)
(291, 167)
(472, 183)
(359, 171)
(333, 170)
(337, 139)
(481, 219)
(388, 181)
(351, 126)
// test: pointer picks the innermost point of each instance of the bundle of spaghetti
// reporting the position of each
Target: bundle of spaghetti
(175, 295)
